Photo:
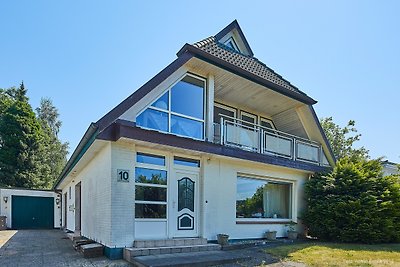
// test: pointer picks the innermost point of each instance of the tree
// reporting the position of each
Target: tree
(31, 155)
(20, 136)
(354, 203)
(54, 154)
(343, 139)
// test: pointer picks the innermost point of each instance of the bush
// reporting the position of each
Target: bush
(354, 203)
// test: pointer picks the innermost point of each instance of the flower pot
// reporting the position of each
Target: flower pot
(222, 239)
(270, 235)
(292, 235)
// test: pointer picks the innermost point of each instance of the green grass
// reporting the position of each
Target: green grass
(337, 254)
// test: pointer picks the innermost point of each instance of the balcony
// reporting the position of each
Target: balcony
(253, 137)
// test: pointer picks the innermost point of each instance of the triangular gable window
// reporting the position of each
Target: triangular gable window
(232, 44)
(180, 110)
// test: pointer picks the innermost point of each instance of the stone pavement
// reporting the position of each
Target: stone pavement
(46, 248)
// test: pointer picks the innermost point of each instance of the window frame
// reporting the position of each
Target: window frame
(269, 121)
(234, 44)
(169, 112)
(154, 167)
(292, 204)
(226, 107)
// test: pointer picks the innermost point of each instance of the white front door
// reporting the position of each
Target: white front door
(184, 199)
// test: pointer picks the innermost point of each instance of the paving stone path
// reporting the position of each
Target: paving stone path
(45, 248)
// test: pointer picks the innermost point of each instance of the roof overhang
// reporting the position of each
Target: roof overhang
(187, 48)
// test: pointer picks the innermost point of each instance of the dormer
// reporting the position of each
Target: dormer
(233, 37)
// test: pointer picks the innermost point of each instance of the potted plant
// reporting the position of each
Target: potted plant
(270, 235)
(291, 230)
(222, 239)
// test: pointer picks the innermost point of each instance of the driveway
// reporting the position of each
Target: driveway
(44, 248)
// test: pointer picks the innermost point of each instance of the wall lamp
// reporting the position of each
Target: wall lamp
(5, 199)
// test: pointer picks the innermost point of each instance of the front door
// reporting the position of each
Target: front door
(185, 203)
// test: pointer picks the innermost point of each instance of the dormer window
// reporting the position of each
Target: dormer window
(232, 44)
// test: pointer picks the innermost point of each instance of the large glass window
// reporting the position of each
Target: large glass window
(256, 198)
(150, 187)
(180, 110)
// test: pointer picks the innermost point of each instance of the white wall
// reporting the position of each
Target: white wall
(219, 191)
(5, 208)
(123, 195)
(95, 180)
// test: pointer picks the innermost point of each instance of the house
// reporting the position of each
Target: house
(390, 168)
(217, 142)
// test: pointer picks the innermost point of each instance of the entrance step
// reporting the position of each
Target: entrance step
(130, 253)
(92, 250)
(169, 242)
(203, 258)
(74, 236)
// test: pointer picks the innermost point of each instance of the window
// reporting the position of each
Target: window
(220, 109)
(180, 110)
(150, 187)
(232, 44)
(267, 123)
(150, 159)
(257, 198)
(186, 162)
(248, 117)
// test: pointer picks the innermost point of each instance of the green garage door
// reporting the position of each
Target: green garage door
(32, 212)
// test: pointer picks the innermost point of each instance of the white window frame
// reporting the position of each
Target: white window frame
(269, 121)
(154, 167)
(222, 106)
(250, 115)
(169, 112)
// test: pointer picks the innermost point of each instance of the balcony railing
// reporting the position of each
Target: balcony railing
(253, 137)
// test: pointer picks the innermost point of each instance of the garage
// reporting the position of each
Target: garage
(30, 208)
(32, 212)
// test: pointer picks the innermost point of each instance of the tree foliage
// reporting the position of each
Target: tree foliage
(31, 156)
(354, 203)
(342, 140)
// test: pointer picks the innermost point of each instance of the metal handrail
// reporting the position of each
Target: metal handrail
(269, 129)
(262, 132)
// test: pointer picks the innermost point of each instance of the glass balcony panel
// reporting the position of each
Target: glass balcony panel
(278, 145)
(307, 152)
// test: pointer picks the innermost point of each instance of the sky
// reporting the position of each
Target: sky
(87, 56)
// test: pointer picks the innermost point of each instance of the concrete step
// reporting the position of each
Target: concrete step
(190, 259)
(74, 236)
(131, 253)
(169, 242)
(92, 250)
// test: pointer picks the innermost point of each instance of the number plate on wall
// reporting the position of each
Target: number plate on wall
(122, 175)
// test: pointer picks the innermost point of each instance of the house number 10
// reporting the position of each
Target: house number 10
(123, 175)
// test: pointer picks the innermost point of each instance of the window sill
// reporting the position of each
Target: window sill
(282, 221)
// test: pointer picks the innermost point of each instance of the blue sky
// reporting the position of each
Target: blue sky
(87, 56)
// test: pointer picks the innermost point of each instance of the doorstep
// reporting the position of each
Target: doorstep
(190, 259)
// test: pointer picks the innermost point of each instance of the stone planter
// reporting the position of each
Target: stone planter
(270, 235)
(222, 239)
(292, 235)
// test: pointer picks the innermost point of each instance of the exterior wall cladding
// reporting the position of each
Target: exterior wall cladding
(108, 211)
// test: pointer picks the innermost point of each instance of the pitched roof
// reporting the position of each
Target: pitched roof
(248, 63)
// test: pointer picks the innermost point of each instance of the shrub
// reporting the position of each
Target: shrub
(354, 203)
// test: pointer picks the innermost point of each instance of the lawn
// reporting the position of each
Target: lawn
(337, 254)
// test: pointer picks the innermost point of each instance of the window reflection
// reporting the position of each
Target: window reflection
(262, 199)
(153, 119)
(187, 97)
(186, 127)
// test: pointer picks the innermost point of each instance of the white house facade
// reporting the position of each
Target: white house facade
(217, 142)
